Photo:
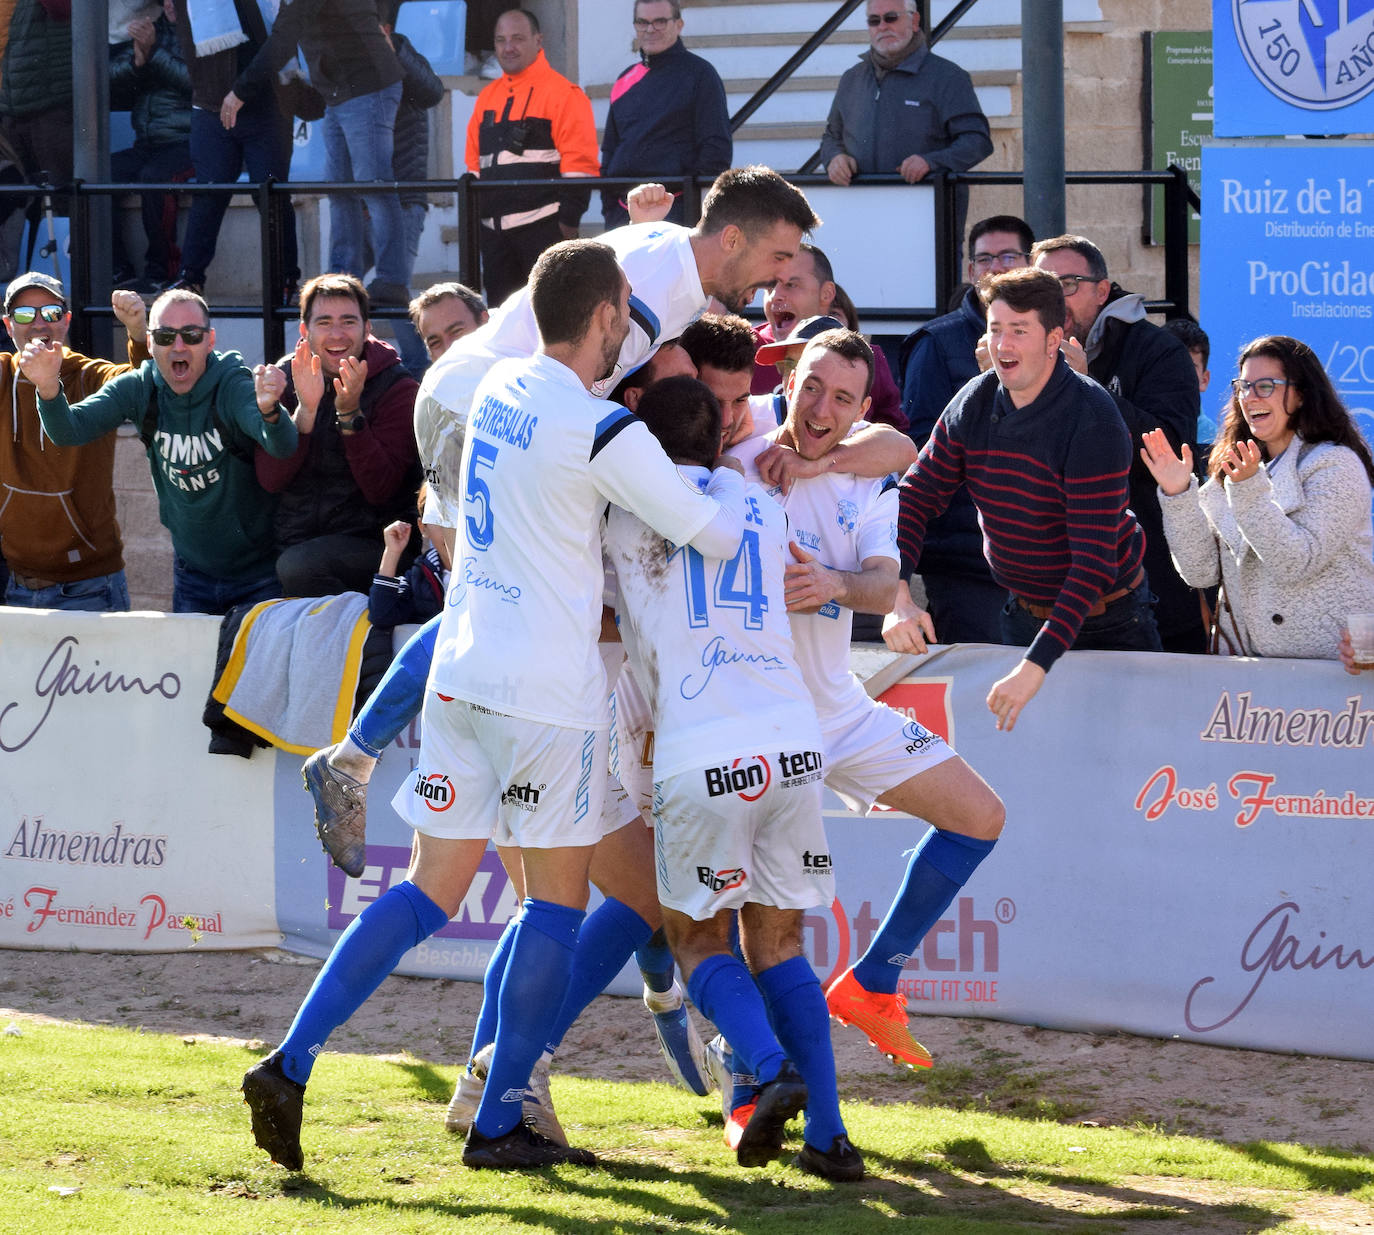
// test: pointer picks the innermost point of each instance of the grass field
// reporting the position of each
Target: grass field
(109, 1130)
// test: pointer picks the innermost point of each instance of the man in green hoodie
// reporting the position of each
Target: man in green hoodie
(200, 414)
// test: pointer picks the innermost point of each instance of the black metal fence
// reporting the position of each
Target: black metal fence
(91, 307)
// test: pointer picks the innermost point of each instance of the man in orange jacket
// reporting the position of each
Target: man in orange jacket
(530, 124)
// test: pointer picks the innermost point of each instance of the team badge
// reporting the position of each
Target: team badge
(1313, 54)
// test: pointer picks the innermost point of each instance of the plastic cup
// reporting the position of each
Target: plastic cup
(1361, 628)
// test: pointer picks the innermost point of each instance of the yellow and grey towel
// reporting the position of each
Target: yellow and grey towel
(293, 672)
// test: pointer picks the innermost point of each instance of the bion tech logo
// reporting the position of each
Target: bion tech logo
(436, 789)
(720, 881)
(750, 780)
(525, 796)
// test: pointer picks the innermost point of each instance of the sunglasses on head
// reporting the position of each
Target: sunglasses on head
(883, 19)
(25, 313)
(165, 336)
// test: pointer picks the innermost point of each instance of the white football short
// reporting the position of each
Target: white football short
(485, 775)
(863, 760)
(632, 725)
(744, 832)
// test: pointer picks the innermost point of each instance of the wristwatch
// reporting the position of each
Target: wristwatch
(352, 424)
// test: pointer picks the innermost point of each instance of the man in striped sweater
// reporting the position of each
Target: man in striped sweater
(1046, 457)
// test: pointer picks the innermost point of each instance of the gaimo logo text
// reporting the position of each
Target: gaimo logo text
(436, 789)
(1313, 54)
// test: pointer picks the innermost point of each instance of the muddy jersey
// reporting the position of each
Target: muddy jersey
(523, 611)
(841, 520)
(665, 297)
(710, 640)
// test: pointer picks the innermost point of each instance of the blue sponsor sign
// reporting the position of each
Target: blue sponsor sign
(1293, 66)
(1288, 248)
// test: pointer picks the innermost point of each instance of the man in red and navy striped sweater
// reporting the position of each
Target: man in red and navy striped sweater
(1046, 457)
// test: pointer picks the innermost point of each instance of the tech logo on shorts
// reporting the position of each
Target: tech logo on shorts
(436, 789)
(748, 778)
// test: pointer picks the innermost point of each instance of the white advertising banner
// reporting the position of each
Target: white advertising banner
(118, 831)
(1186, 851)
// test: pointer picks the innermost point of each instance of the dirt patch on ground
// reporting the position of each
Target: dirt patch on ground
(1232, 1095)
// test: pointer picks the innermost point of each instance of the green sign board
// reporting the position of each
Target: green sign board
(1178, 114)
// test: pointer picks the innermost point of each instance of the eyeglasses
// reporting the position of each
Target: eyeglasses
(883, 19)
(1264, 386)
(25, 313)
(658, 25)
(165, 336)
(1070, 282)
(1007, 257)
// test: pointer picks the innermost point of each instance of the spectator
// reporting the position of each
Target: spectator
(57, 507)
(1046, 460)
(903, 109)
(399, 598)
(148, 77)
(444, 313)
(1151, 379)
(1283, 519)
(36, 117)
(200, 413)
(668, 115)
(238, 120)
(807, 289)
(354, 469)
(353, 66)
(531, 124)
(421, 90)
(938, 359)
(1199, 346)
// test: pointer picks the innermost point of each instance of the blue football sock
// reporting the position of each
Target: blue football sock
(724, 992)
(940, 866)
(655, 962)
(796, 1006)
(608, 938)
(484, 1032)
(397, 698)
(531, 997)
(366, 953)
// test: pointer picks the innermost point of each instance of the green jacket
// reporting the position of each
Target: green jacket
(37, 68)
(201, 452)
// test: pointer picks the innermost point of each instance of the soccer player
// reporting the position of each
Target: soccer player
(735, 830)
(516, 711)
(845, 560)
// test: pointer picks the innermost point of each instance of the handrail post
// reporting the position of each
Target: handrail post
(469, 243)
(1176, 240)
(269, 264)
(947, 237)
(80, 291)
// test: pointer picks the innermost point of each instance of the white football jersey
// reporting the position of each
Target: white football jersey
(665, 297)
(840, 520)
(710, 640)
(541, 460)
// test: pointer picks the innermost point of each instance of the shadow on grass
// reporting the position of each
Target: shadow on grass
(1327, 1176)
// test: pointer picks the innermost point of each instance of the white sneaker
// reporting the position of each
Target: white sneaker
(538, 1106)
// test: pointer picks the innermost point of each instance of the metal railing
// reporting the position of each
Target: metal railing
(91, 306)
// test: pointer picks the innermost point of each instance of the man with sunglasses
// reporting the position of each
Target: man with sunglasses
(936, 361)
(902, 109)
(1150, 375)
(200, 414)
(668, 113)
(58, 529)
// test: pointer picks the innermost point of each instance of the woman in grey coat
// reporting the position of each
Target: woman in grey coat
(1283, 520)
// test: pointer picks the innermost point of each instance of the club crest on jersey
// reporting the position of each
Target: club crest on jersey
(748, 778)
(846, 514)
(720, 881)
(436, 789)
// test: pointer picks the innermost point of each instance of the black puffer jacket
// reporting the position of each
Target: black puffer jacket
(157, 92)
(37, 71)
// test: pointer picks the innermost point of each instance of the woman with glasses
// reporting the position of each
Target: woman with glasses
(1283, 518)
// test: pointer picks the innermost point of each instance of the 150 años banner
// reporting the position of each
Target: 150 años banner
(1288, 248)
(1186, 854)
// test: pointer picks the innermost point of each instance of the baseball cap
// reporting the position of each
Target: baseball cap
(807, 328)
(34, 278)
